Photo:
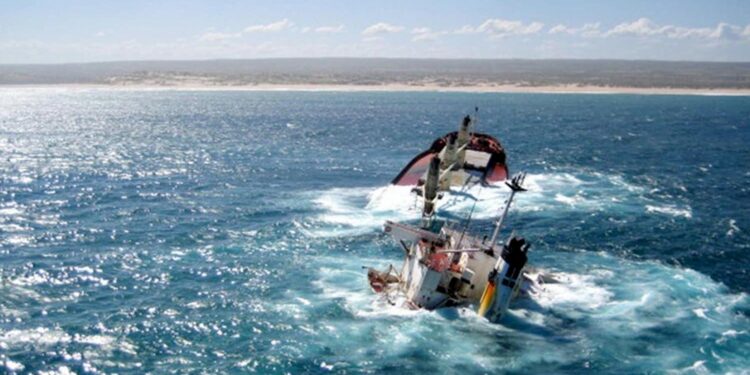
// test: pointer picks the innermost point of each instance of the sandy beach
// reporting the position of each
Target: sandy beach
(559, 89)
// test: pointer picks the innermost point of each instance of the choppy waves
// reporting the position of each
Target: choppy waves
(600, 306)
(152, 231)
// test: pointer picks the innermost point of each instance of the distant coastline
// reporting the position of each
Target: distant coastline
(551, 89)
(380, 74)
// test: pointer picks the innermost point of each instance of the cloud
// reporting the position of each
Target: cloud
(590, 29)
(721, 31)
(465, 29)
(217, 36)
(639, 27)
(425, 34)
(495, 27)
(502, 28)
(382, 28)
(559, 29)
(587, 30)
(271, 27)
(329, 29)
(644, 27)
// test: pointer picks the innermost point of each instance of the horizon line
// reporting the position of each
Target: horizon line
(375, 58)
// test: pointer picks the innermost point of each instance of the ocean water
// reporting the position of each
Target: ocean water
(225, 232)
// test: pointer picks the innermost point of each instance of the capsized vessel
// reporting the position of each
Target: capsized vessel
(444, 266)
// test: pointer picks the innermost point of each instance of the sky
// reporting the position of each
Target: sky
(61, 31)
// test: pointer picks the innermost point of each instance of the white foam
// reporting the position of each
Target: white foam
(11, 211)
(42, 277)
(326, 366)
(196, 305)
(37, 336)
(729, 334)
(43, 336)
(99, 340)
(345, 206)
(22, 179)
(551, 181)
(349, 284)
(19, 240)
(13, 313)
(701, 313)
(733, 228)
(568, 200)
(12, 228)
(579, 291)
(670, 210)
(698, 367)
(62, 370)
(732, 333)
(11, 365)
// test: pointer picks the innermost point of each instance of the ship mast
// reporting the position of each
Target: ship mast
(429, 193)
(515, 186)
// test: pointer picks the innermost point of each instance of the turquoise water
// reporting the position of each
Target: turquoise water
(171, 231)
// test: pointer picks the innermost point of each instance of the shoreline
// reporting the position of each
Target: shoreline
(557, 89)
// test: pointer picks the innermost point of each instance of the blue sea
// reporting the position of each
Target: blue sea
(156, 231)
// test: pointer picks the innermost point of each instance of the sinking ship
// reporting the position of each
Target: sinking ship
(444, 266)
